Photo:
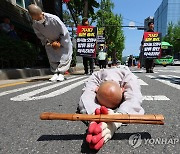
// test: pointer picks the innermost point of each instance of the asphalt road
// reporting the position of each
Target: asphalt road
(22, 132)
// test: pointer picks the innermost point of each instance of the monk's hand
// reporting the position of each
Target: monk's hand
(56, 45)
(100, 133)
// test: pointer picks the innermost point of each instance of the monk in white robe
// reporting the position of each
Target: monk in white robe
(55, 37)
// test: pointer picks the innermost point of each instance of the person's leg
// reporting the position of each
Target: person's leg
(100, 65)
(62, 68)
(85, 63)
(103, 64)
(53, 67)
(91, 65)
(151, 62)
(147, 65)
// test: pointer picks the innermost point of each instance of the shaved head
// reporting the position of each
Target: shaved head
(34, 10)
(109, 94)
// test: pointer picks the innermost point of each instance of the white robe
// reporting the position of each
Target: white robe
(52, 30)
(125, 78)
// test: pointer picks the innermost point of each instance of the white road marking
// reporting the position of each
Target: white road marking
(142, 83)
(27, 87)
(174, 76)
(150, 76)
(172, 71)
(165, 81)
(21, 89)
(156, 98)
(28, 96)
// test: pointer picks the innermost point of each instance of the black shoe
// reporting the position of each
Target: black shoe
(151, 71)
(91, 72)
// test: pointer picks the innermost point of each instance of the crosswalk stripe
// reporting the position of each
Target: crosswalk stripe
(142, 83)
(156, 98)
(167, 82)
(172, 71)
(174, 76)
(21, 89)
(27, 87)
(28, 96)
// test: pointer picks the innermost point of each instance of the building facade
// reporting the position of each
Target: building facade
(168, 11)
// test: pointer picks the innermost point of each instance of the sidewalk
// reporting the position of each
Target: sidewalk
(10, 76)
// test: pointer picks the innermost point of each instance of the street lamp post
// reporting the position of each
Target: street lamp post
(85, 10)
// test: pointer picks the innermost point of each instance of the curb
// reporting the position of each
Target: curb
(23, 73)
(6, 74)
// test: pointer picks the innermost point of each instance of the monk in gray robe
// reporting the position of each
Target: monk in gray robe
(56, 39)
(109, 91)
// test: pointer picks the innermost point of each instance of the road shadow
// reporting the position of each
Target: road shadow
(61, 137)
(85, 147)
(137, 72)
(174, 80)
(77, 74)
(117, 136)
(40, 79)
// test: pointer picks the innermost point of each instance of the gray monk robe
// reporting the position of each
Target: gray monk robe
(125, 78)
(51, 30)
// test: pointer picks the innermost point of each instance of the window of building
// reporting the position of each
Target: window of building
(27, 3)
(23, 3)
(20, 2)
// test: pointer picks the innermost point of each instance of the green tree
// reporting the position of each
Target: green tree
(173, 36)
(113, 28)
(76, 8)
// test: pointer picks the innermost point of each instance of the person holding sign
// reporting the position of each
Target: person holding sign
(87, 60)
(109, 91)
(56, 39)
(149, 63)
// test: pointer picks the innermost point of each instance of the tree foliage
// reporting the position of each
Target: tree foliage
(17, 53)
(76, 9)
(173, 36)
(113, 28)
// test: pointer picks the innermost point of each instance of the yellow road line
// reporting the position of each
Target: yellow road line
(12, 84)
(23, 82)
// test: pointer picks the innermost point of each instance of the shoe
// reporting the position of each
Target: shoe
(151, 71)
(54, 78)
(147, 70)
(91, 72)
(60, 77)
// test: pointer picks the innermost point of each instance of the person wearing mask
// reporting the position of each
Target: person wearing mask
(55, 37)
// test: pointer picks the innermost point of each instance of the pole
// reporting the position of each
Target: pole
(123, 118)
(85, 10)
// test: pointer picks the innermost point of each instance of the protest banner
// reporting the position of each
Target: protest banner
(86, 41)
(152, 45)
(101, 36)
